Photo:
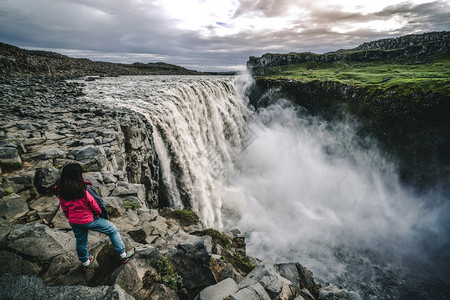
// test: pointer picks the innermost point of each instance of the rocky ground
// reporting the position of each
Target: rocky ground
(42, 127)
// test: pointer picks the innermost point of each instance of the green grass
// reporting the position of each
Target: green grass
(168, 275)
(433, 76)
(130, 205)
(187, 216)
(218, 237)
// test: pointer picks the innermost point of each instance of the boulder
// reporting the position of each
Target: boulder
(138, 276)
(191, 259)
(125, 190)
(163, 292)
(46, 178)
(64, 269)
(45, 206)
(20, 182)
(218, 291)
(114, 205)
(10, 158)
(268, 276)
(95, 156)
(82, 142)
(254, 292)
(15, 264)
(39, 241)
(108, 177)
(12, 207)
(60, 221)
(115, 292)
(95, 178)
(18, 287)
(300, 277)
(46, 154)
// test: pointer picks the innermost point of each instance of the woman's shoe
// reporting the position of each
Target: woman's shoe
(86, 268)
(130, 253)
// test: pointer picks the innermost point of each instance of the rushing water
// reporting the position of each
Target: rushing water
(302, 189)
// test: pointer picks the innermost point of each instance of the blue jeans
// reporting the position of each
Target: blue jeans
(101, 225)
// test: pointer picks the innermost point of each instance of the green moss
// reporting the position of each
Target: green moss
(218, 237)
(16, 165)
(168, 275)
(434, 77)
(9, 191)
(86, 168)
(131, 205)
(240, 262)
(187, 216)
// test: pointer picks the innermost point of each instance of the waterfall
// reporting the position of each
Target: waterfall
(198, 131)
(301, 188)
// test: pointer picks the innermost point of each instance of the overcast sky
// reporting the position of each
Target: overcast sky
(210, 35)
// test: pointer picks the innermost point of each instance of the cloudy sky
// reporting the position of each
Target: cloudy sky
(210, 35)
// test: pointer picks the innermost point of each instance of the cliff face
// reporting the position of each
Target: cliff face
(410, 122)
(15, 61)
(43, 127)
(411, 48)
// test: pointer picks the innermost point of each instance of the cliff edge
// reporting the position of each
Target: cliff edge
(397, 89)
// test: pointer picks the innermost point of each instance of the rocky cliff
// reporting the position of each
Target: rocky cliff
(410, 121)
(414, 48)
(43, 125)
(15, 61)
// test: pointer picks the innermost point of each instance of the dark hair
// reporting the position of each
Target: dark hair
(71, 185)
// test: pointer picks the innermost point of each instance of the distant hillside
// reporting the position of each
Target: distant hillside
(408, 49)
(15, 61)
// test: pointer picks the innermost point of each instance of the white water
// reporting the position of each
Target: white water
(199, 128)
(302, 189)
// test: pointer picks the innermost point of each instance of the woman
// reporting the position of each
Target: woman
(82, 211)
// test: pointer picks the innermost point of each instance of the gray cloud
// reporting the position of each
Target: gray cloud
(129, 31)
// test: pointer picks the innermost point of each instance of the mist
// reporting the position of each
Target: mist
(311, 191)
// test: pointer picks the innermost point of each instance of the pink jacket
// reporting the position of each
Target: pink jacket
(80, 211)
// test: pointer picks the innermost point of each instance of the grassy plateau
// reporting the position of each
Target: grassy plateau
(433, 76)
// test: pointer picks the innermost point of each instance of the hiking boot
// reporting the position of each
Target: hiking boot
(86, 268)
(130, 253)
